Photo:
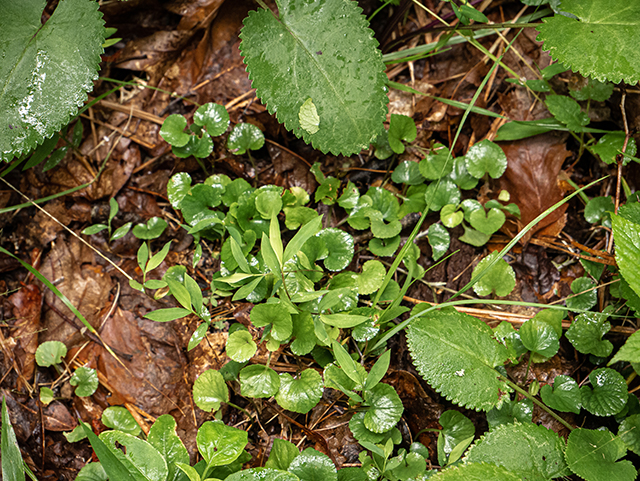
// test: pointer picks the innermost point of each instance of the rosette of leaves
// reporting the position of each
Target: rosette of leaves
(46, 70)
(316, 66)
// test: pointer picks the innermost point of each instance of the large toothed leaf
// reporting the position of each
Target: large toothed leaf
(457, 354)
(601, 42)
(46, 70)
(317, 67)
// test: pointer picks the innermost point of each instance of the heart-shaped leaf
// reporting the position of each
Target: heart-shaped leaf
(370, 280)
(439, 194)
(407, 173)
(539, 338)
(86, 379)
(401, 127)
(586, 333)
(437, 164)
(339, 245)
(151, 230)
(585, 295)
(300, 394)
(565, 395)
(457, 429)
(198, 146)
(240, 346)
(385, 408)
(594, 454)
(499, 277)
(487, 223)
(220, 444)
(451, 216)
(245, 137)
(212, 116)
(485, 157)
(277, 316)
(607, 394)
(259, 381)
(172, 130)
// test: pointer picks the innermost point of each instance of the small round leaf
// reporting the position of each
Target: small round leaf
(172, 130)
(485, 157)
(210, 390)
(500, 278)
(339, 247)
(370, 280)
(212, 116)
(407, 173)
(608, 394)
(540, 338)
(50, 353)
(86, 379)
(245, 137)
(385, 408)
(259, 381)
(300, 394)
(565, 395)
(151, 230)
(240, 346)
(275, 314)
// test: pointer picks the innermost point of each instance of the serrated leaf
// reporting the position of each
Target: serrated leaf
(567, 111)
(630, 351)
(323, 51)
(592, 455)
(500, 278)
(259, 381)
(452, 351)
(609, 393)
(385, 408)
(301, 394)
(565, 395)
(600, 42)
(46, 69)
(586, 333)
(531, 451)
(86, 379)
(210, 390)
(476, 472)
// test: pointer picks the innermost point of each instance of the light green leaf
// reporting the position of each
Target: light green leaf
(94, 229)
(385, 408)
(275, 314)
(172, 130)
(343, 321)
(151, 230)
(370, 280)
(600, 42)
(592, 455)
(487, 223)
(500, 277)
(210, 390)
(610, 145)
(451, 216)
(485, 157)
(50, 353)
(308, 117)
(531, 451)
(261, 474)
(12, 469)
(437, 195)
(163, 437)
(259, 381)
(212, 116)
(378, 371)
(630, 351)
(281, 455)
(475, 472)
(117, 417)
(609, 393)
(461, 177)
(457, 431)
(46, 70)
(586, 333)
(312, 465)
(220, 444)
(565, 396)
(168, 314)
(86, 379)
(92, 472)
(567, 111)
(120, 232)
(303, 331)
(452, 351)
(245, 137)
(437, 164)
(113, 466)
(360, 431)
(240, 346)
(339, 246)
(384, 247)
(323, 51)
(348, 365)
(300, 394)
(401, 127)
(46, 395)
(140, 458)
(627, 238)
(178, 187)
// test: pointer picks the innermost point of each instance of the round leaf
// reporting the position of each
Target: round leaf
(608, 394)
(487, 223)
(565, 395)
(407, 173)
(152, 230)
(586, 333)
(440, 194)
(210, 390)
(384, 247)
(259, 381)
(540, 338)
(597, 209)
(240, 346)
(197, 146)
(50, 353)
(117, 417)
(370, 280)
(179, 185)
(300, 394)
(86, 379)
(401, 127)
(261, 474)
(275, 314)
(46, 69)
(339, 246)
(245, 137)
(586, 297)
(385, 408)
(451, 216)
(437, 164)
(311, 465)
(212, 116)
(461, 177)
(360, 431)
(485, 157)
(500, 278)
(172, 130)
(220, 444)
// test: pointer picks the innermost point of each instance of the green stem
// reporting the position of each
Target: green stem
(540, 404)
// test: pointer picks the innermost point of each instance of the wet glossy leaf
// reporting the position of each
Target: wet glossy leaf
(401, 127)
(439, 240)
(212, 116)
(151, 230)
(630, 351)
(610, 145)
(245, 137)
(275, 315)
(198, 146)
(312, 465)
(360, 431)
(452, 351)
(92, 472)
(210, 390)
(370, 280)
(457, 431)
(300, 394)
(117, 417)
(586, 297)
(303, 331)
(437, 164)
(565, 395)
(172, 130)
(86, 379)
(259, 381)
(607, 394)
(220, 444)
(487, 223)
(592, 89)
(437, 195)
(629, 432)
(485, 157)
(384, 247)
(539, 338)
(451, 216)
(597, 208)
(476, 472)
(511, 412)
(586, 333)
(461, 177)
(567, 111)
(592, 455)
(499, 279)
(47, 69)
(50, 353)
(140, 458)
(407, 173)
(529, 450)
(626, 235)
(323, 51)
(339, 246)
(281, 455)
(179, 185)
(385, 408)
(163, 437)
(262, 474)
(599, 43)
(120, 232)
(94, 229)
(12, 469)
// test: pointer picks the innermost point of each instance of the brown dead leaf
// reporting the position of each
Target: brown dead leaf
(532, 179)
(58, 418)
(27, 306)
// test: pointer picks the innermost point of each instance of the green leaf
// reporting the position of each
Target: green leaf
(277, 316)
(439, 240)
(220, 444)
(120, 232)
(348, 365)
(158, 257)
(592, 455)
(452, 351)
(609, 393)
(12, 469)
(529, 450)
(94, 229)
(300, 394)
(117, 417)
(597, 208)
(308, 116)
(499, 278)
(303, 331)
(437, 164)
(92, 472)
(378, 371)
(567, 111)
(50, 353)
(343, 321)
(586, 333)
(539, 338)
(198, 335)
(586, 297)
(437, 195)
(461, 177)
(46, 395)
(168, 314)
(384, 247)
(240, 346)
(212, 116)
(627, 238)
(360, 431)
(385, 408)
(307, 231)
(210, 390)
(487, 223)
(522, 129)
(610, 145)
(370, 280)
(312, 465)
(110, 462)
(281, 455)
(457, 430)
(269, 204)
(172, 130)
(511, 412)
(86, 379)
(163, 437)
(178, 187)
(323, 51)
(629, 432)
(401, 127)
(339, 246)
(245, 137)
(451, 216)
(592, 90)
(140, 458)
(565, 396)
(485, 157)
(261, 474)
(259, 381)
(598, 43)
(151, 230)
(630, 351)
(47, 69)
(407, 173)
(198, 146)
(475, 472)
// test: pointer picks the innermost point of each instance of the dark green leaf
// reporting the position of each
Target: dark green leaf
(245, 137)
(439, 240)
(565, 396)
(139, 457)
(586, 333)
(540, 338)
(281, 455)
(168, 314)
(86, 379)
(220, 444)
(163, 437)
(485, 157)
(401, 127)
(586, 297)
(609, 393)
(300, 394)
(499, 278)
(407, 173)
(457, 430)
(172, 130)
(385, 408)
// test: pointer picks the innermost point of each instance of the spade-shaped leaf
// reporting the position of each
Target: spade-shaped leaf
(321, 50)
(485, 157)
(598, 39)
(498, 278)
(212, 116)
(565, 395)
(245, 137)
(607, 394)
(302, 393)
(275, 314)
(539, 338)
(220, 444)
(487, 223)
(46, 69)
(457, 432)
(151, 230)
(385, 408)
(259, 381)
(592, 455)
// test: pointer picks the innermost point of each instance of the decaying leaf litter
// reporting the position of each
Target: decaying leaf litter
(191, 49)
